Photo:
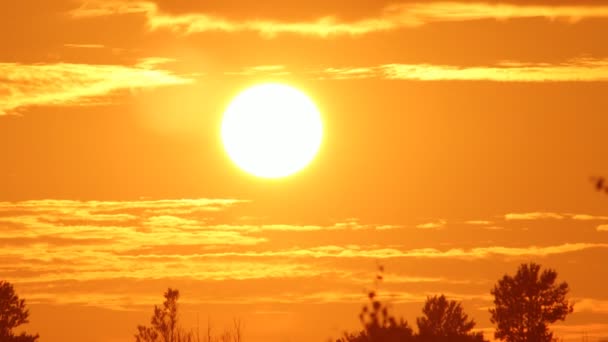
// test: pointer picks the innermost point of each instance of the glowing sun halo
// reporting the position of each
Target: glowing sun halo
(271, 130)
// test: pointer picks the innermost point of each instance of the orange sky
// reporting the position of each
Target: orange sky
(459, 141)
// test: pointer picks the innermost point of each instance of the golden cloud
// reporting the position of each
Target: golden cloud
(602, 228)
(533, 216)
(24, 85)
(141, 239)
(573, 70)
(581, 69)
(432, 225)
(393, 17)
(585, 217)
(62, 241)
(353, 251)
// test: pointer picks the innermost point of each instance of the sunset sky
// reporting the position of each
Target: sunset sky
(459, 139)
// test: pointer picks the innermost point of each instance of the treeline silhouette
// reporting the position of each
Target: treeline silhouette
(525, 304)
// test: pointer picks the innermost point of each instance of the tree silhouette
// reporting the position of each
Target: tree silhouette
(13, 313)
(165, 326)
(445, 320)
(526, 303)
(164, 322)
(378, 324)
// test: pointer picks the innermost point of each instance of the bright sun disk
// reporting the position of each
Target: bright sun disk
(272, 130)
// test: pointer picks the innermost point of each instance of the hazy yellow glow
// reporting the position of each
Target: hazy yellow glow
(272, 130)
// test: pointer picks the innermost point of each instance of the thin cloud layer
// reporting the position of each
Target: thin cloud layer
(552, 216)
(24, 85)
(575, 70)
(332, 251)
(393, 17)
(432, 225)
(586, 217)
(533, 216)
(183, 238)
(139, 239)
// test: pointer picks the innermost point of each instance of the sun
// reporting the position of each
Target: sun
(272, 130)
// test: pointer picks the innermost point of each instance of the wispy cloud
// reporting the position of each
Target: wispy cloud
(575, 70)
(445, 11)
(112, 7)
(354, 251)
(393, 17)
(141, 239)
(533, 216)
(582, 69)
(96, 209)
(539, 215)
(24, 85)
(602, 228)
(200, 22)
(119, 302)
(438, 224)
(585, 217)
(71, 252)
